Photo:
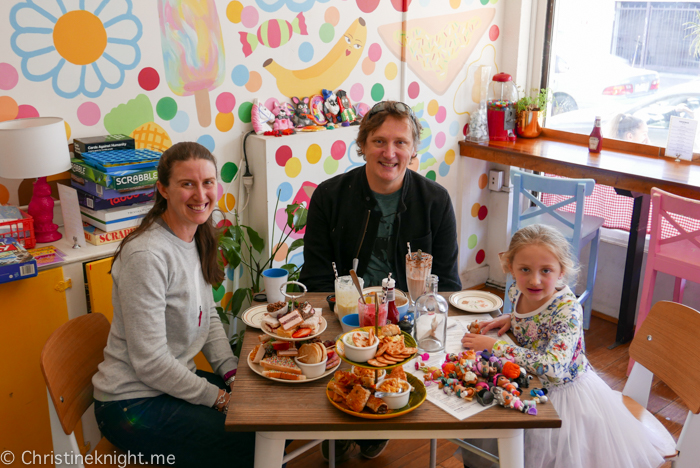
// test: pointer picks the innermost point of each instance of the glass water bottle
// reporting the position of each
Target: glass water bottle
(430, 328)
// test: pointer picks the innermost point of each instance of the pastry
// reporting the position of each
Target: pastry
(376, 405)
(357, 398)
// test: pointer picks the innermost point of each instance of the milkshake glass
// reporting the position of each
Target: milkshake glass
(418, 266)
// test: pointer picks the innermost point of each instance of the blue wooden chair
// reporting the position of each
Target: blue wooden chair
(579, 229)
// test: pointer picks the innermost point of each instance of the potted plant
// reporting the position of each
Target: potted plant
(242, 246)
(531, 112)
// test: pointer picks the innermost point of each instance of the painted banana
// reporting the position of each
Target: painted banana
(329, 72)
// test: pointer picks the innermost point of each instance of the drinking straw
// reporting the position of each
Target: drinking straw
(334, 270)
(376, 316)
(409, 249)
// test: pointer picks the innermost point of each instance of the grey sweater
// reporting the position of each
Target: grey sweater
(157, 330)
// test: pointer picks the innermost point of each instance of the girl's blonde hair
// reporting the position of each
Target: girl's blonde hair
(550, 238)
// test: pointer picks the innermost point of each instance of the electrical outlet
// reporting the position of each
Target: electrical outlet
(495, 180)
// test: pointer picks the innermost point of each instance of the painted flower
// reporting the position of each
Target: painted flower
(83, 46)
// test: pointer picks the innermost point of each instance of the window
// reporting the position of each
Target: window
(631, 62)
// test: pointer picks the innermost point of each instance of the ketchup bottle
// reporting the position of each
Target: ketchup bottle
(595, 141)
(392, 311)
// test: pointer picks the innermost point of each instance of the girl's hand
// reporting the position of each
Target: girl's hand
(502, 323)
(478, 342)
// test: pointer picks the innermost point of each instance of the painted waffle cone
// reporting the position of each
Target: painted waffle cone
(151, 136)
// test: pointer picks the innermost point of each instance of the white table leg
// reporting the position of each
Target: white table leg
(511, 450)
(268, 452)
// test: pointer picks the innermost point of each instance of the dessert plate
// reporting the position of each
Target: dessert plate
(476, 301)
(253, 316)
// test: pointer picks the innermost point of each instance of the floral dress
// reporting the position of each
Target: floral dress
(551, 339)
(596, 430)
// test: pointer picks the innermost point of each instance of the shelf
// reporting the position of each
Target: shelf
(623, 165)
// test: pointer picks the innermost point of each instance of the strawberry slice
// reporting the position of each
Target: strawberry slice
(280, 345)
(301, 333)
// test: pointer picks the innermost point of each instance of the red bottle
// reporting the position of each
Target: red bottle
(595, 141)
(392, 311)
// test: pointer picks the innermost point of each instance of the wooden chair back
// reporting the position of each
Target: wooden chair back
(576, 189)
(69, 359)
(668, 345)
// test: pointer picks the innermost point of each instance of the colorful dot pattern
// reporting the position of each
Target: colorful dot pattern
(371, 81)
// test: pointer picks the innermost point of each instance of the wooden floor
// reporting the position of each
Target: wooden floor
(611, 365)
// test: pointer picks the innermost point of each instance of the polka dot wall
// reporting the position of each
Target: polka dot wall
(150, 91)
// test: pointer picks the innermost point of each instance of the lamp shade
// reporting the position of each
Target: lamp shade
(33, 148)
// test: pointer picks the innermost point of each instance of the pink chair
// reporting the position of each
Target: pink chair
(677, 255)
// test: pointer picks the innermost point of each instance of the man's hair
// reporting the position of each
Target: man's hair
(375, 118)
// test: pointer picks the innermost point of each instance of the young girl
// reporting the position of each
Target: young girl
(597, 430)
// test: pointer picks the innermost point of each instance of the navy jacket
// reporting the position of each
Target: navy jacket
(342, 224)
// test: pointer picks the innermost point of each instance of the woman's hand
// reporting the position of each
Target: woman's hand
(478, 342)
(502, 323)
(222, 401)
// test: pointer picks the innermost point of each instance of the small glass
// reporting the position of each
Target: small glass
(367, 312)
(430, 329)
(346, 296)
(418, 266)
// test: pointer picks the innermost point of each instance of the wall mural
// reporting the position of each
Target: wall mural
(329, 72)
(177, 70)
(437, 48)
(193, 50)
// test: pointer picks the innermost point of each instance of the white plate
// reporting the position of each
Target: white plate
(476, 301)
(378, 290)
(258, 369)
(253, 316)
(321, 329)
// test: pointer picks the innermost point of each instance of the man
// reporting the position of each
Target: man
(364, 219)
(369, 214)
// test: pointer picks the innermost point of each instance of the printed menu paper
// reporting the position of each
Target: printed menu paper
(456, 328)
(72, 224)
(681, 137)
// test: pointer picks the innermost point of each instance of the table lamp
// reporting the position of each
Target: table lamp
(31, 148)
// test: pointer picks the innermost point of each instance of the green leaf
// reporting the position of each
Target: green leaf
(231, 250)
(255, 239)
(237, 343)
(296, 216)
(222, 315)
(237, 301)
(296, 245)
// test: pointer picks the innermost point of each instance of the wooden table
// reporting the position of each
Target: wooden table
(278, 411)
(632, 169)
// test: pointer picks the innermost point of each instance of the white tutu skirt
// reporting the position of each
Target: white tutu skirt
(597, 431)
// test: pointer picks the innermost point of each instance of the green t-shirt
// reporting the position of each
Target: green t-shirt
(382, 260)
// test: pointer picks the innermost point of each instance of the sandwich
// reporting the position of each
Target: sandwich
(283, 375)
(305, 310)
(270, 322)
(280, 363)
(257, 354)
(291, 320)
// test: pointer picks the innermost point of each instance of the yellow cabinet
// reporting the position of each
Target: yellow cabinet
(30, 310)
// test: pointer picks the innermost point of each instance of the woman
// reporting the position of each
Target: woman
(629, 128)
(149, 397)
